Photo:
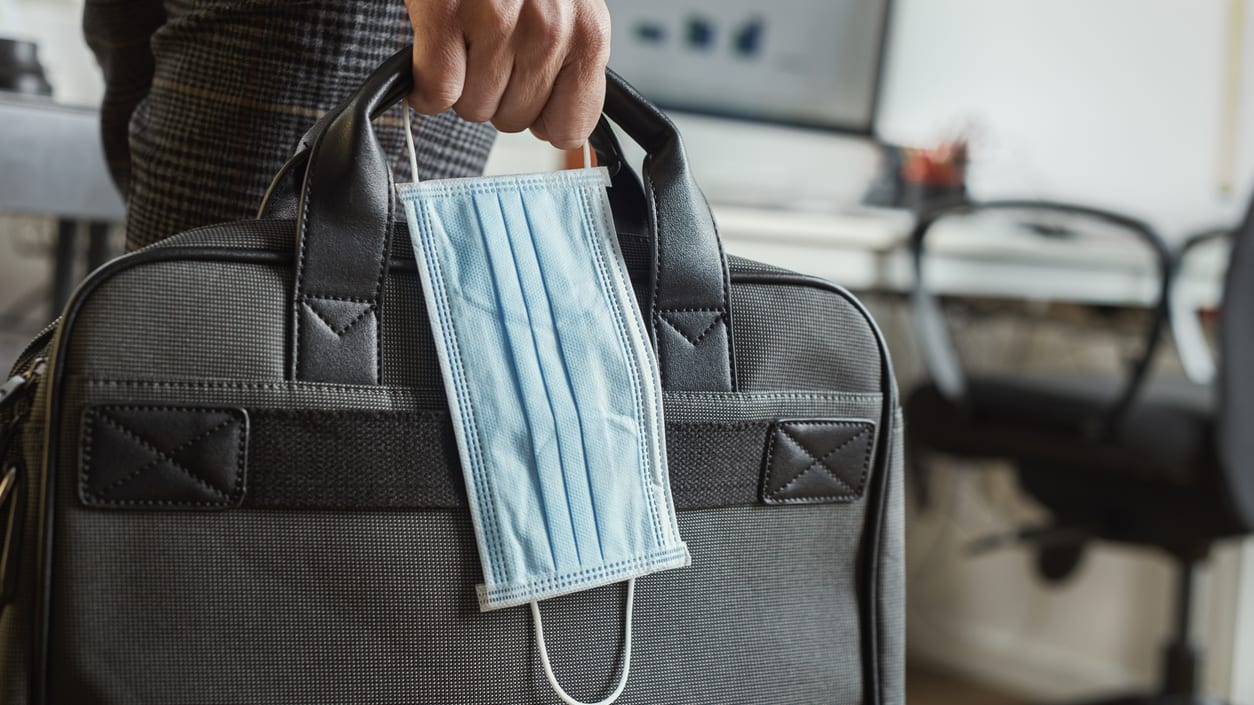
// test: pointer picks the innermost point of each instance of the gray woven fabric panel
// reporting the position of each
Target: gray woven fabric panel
(249, 234)
(792, 337)
(313, 608)
(748, 406)
(278, 395)
(409, 357)
(738, 265)
(205, 99)
(185, 320)
(136, 325)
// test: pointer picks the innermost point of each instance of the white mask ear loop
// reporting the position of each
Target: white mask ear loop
(409, 141)
(587, 155)
(544, 651)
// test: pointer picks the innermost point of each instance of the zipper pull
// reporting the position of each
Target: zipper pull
(11, 387)
(18, 382)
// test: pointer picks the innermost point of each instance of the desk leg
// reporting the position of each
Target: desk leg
(97, 245)
(63, 264)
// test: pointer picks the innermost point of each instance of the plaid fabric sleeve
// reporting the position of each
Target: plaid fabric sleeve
(205, 99)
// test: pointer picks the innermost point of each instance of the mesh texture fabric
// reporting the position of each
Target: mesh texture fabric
(315, 607)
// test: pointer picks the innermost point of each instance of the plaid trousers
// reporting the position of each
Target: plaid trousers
(205, 100)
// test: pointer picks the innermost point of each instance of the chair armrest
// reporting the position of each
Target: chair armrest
(940, 356)
(1196, 357)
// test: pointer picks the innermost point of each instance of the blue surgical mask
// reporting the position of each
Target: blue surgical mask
(552, 385)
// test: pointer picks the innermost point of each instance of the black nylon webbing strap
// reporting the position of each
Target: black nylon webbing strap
(385, 460)
(407, 460)
(353, 459)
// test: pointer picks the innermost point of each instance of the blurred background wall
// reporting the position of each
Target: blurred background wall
(1117, 102)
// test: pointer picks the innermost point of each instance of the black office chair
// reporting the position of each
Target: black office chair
(1147, 462)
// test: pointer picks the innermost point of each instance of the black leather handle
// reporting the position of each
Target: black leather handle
(344, 213)
(343, 228)
(689, 306)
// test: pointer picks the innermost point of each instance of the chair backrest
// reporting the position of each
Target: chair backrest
(1236, 371)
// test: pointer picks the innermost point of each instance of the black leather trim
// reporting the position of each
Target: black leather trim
(817, 461)
(689, 268)
(342, 236)
(627, 202)
(160, 456)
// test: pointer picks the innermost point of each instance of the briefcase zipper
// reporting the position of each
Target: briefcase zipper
(15, 394)
(29, 367)
(23, 383)
(16, 391)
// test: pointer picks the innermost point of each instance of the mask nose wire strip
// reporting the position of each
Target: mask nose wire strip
(409, 142)
(548, 667)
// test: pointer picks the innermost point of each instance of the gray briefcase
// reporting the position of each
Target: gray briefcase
(229, 474)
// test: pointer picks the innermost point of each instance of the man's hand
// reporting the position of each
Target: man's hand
(522, 64)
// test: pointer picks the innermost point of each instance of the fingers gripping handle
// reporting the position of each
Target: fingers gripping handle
(344, 213)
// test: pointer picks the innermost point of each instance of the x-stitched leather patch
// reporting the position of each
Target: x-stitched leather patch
(693, 326)
(817, 461)
(163, 456)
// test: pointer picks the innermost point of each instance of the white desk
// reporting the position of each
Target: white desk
(867, 250)
(52, 164)
(851, 249)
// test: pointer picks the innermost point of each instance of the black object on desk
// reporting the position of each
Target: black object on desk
(20, 70)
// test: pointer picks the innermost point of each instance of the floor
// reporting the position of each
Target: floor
(925, 687)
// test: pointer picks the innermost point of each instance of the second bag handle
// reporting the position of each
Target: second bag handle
(344, 214)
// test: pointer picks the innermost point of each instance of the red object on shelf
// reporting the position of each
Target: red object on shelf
(945, 165)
